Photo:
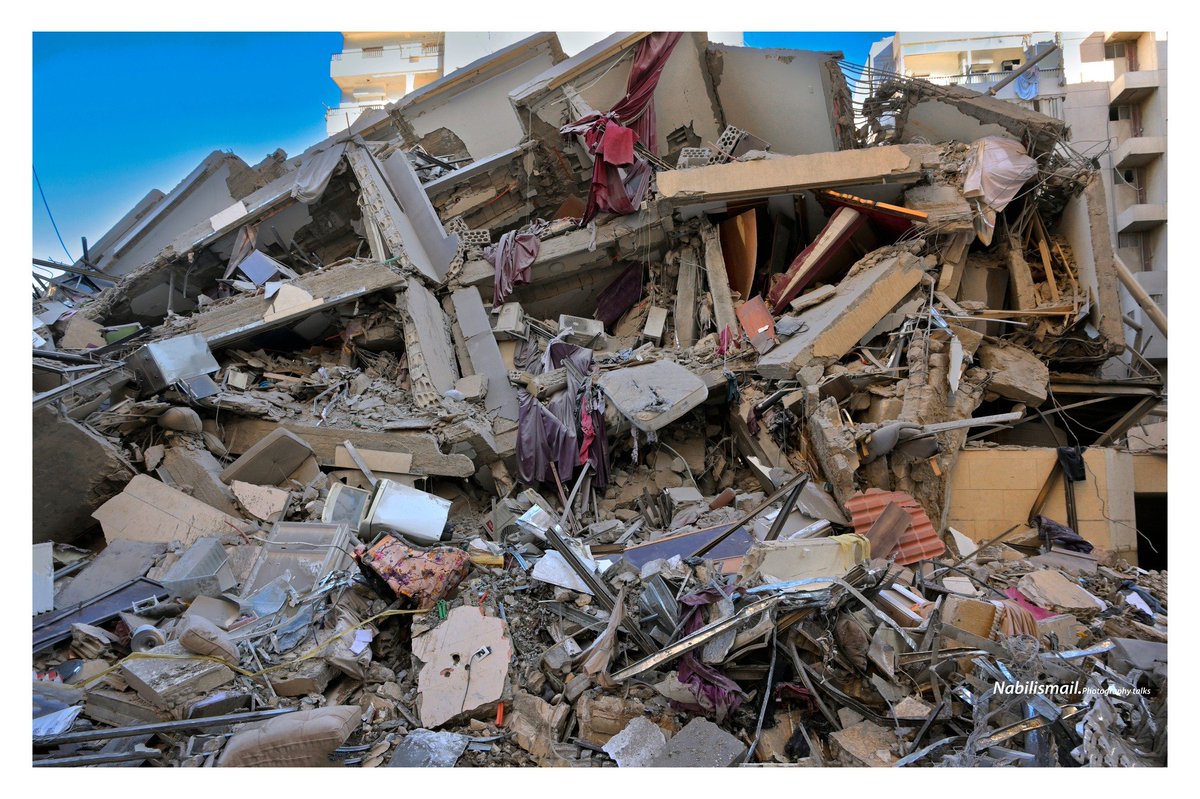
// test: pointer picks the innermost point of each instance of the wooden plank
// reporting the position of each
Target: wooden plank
(718, 279)
(1047, 263)
(241, 433)
(739, 247)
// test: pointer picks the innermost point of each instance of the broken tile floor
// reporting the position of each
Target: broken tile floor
(608, 446)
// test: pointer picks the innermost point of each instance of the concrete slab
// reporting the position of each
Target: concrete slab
(1017, 373)
(75, 471)
(701, 744)
(837, 324)
(1131, 653)
(424, 320)
(119, 562)
(653, 395)
(638, 744)
(167, 683)
(270, 460)
(485, 353)
(756, 179)
(148, 510)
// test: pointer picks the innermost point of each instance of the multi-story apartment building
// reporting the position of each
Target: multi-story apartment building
(374, 69)
(1111, 90)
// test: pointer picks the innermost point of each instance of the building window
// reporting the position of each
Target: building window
(1126, 240)
(1010, 64)
(1119, 113)
(1115, 50)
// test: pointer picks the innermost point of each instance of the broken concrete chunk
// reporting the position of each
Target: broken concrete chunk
(1053, 590)
(782, 561)
(307, 677)
(653, 395)
(148, 510)
(638, 744)
(601, 716)
(264, 503)
(465, 669)
(866, 744)
(537, 725)
(169, 683)
(197, 472)
(484, 352)
(701, 744)
(81, 333)
(1017, 373)
(472, 387)
(836, 325)
(75, 471)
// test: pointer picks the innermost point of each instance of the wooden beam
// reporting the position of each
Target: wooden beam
(241, 433)
(1047, 263)
(718, 280)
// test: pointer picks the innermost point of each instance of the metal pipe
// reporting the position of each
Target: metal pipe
(100, 758)
(166, 726)
(704, 550)
(1143, 299)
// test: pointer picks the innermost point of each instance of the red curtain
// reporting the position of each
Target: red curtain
(610, 137)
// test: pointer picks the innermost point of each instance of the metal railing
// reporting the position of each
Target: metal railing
(410, 50)
(986, 79)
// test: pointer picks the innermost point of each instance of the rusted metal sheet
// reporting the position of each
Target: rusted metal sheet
(758, 324)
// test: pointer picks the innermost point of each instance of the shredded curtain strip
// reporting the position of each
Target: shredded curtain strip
(610, 137)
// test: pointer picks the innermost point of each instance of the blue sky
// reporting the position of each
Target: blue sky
(118, 114)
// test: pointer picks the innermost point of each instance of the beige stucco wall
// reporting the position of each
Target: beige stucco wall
(994, 488)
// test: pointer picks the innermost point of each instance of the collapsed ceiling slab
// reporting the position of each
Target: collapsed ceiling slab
(244, 317)
(733, 182)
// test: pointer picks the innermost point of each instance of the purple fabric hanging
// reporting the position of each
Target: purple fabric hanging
(542, 439)
(512, 258)
(620, 295)
(721, 693)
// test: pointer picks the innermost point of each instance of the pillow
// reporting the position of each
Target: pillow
(305, 738)
(201, 636)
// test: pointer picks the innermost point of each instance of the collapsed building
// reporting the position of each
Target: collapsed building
(661, 405)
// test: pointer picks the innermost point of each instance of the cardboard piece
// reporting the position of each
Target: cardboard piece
(465, 670)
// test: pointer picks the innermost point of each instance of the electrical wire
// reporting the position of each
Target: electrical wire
(54, 224)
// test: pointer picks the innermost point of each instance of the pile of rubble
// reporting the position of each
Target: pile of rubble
(570, 440)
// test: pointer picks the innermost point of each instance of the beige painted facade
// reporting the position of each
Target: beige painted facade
(374, 69)
(1117, 111)
(994, 488)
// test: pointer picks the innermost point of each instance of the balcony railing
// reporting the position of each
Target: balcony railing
(403, 50)
(984, 80)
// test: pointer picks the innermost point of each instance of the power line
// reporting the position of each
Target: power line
(46, 203)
